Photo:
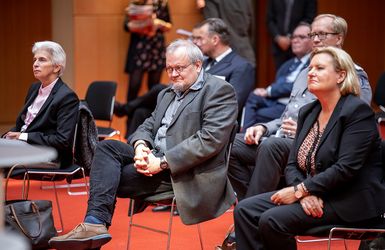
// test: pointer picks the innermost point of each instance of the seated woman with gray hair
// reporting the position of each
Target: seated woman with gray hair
(50, 111)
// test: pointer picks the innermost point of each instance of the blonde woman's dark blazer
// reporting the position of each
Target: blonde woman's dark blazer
(349, 172)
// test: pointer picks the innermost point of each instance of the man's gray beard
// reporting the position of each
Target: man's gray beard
(179, 87)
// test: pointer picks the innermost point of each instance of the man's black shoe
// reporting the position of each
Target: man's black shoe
(163, 208)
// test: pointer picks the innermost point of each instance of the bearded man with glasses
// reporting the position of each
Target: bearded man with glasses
(181, 147)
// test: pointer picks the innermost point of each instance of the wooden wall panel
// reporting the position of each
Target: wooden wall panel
(265, 66)
(22, 23)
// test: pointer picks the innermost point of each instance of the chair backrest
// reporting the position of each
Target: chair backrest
(86, 137)
(100, 98)
(379, 93)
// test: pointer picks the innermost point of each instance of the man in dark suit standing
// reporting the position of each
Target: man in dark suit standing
(180, 147)
(282, 17)
(51, 108)
(212, 37)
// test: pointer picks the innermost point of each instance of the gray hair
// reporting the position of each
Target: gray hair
(192, 51)
(57, 53)
(339, 24)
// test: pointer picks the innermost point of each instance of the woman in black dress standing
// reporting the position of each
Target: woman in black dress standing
(146, 52)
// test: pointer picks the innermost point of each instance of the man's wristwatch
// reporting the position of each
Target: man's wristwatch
(163, 163)
(297, 193)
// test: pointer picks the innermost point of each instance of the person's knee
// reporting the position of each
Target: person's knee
(238, 144)
(240, 211)
(107, 145)
(266, 222)
(236, 154)
(274, 145)
(269, 144)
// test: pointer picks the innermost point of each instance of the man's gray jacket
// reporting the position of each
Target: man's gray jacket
(196, 147)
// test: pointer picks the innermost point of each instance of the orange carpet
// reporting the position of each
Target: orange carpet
(183, 237)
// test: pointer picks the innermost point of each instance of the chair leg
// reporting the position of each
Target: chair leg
(346, 246)
(25, 190)
(85, 184)
(58, 208)
(173, 206)
(69, 186)
(200, 235)
(169, 229)
(131, 213)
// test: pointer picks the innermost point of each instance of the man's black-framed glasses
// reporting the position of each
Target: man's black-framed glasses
(321, 35)
(179, 69)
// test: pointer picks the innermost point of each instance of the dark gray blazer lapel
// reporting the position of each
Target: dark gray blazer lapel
(189, 97)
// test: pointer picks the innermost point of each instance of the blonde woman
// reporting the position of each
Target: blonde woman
(334, 172)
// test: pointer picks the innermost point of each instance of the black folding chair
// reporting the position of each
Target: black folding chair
(100, 98)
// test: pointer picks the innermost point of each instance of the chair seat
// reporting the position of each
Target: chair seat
(357, 233)
(56, 174)
(161, 198)
(104, 132)
(68, 170)
(321, 231)
(369, 231)
(165, 198)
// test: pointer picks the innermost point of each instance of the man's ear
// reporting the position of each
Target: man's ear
(215, 39)
(198, 66)
(339, 40)
(56, 68)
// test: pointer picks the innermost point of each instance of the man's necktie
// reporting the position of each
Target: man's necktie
(210, 63)
(294, 65)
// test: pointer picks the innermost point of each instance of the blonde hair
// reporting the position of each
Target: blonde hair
(342, 62)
